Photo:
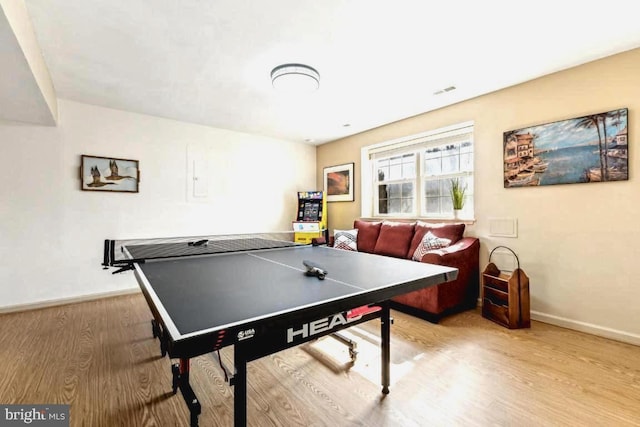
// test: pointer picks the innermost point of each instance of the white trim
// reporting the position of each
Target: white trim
(69, 300)
(589, 328)
(162, 312)
(563, 322)
(457, 129)
(366, 183)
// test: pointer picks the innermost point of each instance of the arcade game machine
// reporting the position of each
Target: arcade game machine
(311, 221)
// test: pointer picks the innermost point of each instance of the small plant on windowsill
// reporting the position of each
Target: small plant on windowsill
(457, 191)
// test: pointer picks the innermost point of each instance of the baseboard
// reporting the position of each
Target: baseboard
(589, 328)
(65, 301)
(576, 325)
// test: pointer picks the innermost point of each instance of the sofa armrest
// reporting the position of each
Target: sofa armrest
(465, 256)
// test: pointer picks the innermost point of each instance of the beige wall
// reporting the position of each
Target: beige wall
(578, 243)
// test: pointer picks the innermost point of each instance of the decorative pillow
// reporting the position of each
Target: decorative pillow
(429, 242)
(345, 239)
(453, 232)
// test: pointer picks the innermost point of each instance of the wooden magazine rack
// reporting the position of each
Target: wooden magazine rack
(506, 296)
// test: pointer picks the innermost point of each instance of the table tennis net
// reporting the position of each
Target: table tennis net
(119, 252)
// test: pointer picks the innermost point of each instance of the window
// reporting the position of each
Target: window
(396, 177)
(411, 177)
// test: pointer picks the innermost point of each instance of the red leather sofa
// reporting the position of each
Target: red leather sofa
(400, 239)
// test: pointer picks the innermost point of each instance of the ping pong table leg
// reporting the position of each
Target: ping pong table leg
(155, 328)
(181, 381)
(161, 334)
(385, 332)
(239, 387)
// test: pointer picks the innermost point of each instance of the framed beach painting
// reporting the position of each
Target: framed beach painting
(592, 148)
(109, 174)
(338, 183)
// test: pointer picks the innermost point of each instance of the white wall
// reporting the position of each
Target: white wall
(51, 232)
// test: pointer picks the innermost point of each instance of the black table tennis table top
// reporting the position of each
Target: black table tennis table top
(262, 301)
(197, 295)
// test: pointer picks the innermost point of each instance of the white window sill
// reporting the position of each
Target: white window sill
(446, 220)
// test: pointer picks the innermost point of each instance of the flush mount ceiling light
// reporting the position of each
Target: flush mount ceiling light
(295, 78)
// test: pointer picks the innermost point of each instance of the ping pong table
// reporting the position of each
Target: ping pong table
(261, 298)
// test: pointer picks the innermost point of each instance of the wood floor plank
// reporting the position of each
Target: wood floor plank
(100, 358)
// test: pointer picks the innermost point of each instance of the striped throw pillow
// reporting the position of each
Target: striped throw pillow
(346, 240)
(429, 241)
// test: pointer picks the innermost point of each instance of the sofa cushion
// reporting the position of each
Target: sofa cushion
(429, 242)
(345, 239)
(453, 232)
(394, 239)
(367, 235)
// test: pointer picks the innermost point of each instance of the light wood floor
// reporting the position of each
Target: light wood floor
(100, 358)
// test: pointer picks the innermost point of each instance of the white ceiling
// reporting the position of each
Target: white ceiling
(209, 61)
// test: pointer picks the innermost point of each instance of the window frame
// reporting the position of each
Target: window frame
(417, 144)
(395, 181)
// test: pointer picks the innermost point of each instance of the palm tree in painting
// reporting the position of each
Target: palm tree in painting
(605, 155)
(615, 117)
(593, 122)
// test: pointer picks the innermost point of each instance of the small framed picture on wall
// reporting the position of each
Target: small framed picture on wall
(109, 174)
(338, 183)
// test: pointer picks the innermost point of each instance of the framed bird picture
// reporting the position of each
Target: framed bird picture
(109, 174)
